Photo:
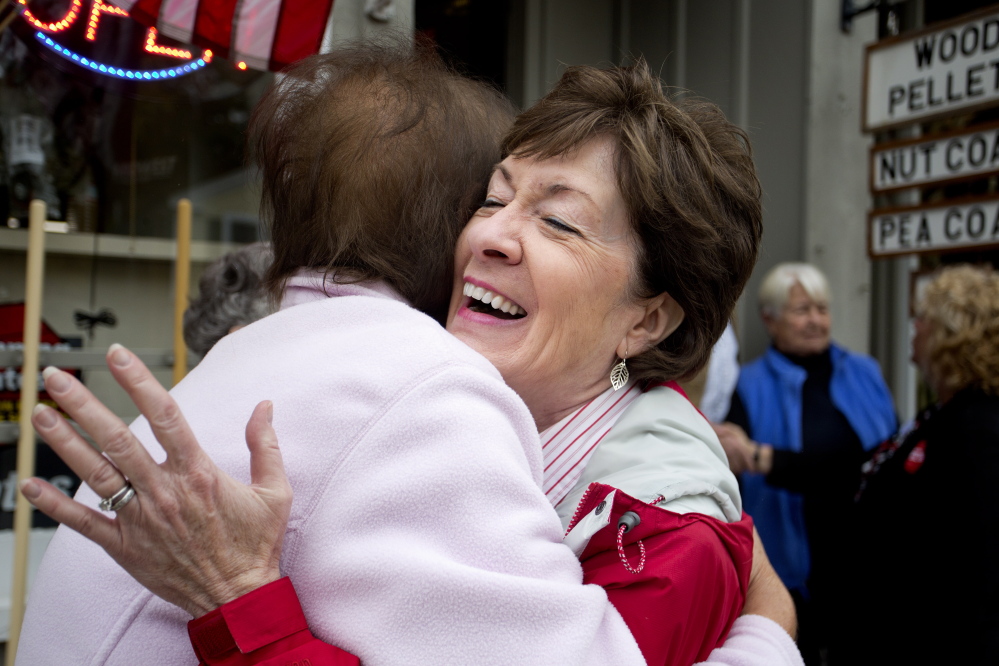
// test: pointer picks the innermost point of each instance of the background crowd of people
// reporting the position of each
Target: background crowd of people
(885, 535)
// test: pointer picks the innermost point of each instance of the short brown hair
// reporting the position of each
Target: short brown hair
(688, 179)
(373, 157)
(962, 305)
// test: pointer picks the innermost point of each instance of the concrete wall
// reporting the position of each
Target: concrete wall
(778, 44)
(709, 43)
(870, 299)
(836, 194)
(577, 32)
(651, 32)
(552, 34)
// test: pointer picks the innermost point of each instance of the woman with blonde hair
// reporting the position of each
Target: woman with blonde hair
(928, 542)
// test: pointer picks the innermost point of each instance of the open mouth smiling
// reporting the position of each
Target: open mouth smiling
(486, 302)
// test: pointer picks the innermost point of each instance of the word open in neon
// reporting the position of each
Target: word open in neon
(98, 9)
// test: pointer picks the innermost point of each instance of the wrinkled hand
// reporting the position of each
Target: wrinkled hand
(191, 535)
(737, 445)
(767, 595)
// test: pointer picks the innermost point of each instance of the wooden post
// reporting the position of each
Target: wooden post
(7, 18)
(182, 284)
(29, 397)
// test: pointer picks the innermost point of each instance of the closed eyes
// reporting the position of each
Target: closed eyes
(558, 224)
(553, 222)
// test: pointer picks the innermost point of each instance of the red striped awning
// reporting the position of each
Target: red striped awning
(265, 34)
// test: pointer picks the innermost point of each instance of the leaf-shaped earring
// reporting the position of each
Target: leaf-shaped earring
(619, 375)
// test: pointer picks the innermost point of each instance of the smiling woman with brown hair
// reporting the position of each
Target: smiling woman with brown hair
(614, 236)
(669, 224)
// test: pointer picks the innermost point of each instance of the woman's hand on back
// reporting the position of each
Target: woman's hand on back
(191, 534)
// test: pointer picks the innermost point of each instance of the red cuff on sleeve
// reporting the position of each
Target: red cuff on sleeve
(275, 601)
(258, 627)
(210, 636)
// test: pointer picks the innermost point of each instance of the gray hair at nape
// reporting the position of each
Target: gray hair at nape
(777, 283)
(232, 293)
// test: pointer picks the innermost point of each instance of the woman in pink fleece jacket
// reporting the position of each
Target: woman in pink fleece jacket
(421, 531)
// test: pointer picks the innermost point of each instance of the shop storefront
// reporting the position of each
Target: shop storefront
(110, 121)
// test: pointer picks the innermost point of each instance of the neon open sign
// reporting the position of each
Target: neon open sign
(50, 32)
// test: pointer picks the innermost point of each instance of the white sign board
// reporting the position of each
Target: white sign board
(948, 67)
(971, 223)
(937, 159)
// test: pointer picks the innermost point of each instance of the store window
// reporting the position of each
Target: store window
(111, 123)
(472, 35)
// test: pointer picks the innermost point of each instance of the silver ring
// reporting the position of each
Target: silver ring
(119, 499)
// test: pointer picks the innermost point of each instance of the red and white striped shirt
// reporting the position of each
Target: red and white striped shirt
(568, 445)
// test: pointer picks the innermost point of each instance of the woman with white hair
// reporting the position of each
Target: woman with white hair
(802, 417)
(231, 294)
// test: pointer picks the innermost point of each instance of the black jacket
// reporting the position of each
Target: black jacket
(926, 565)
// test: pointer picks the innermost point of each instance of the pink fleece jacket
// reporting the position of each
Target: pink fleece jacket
(419, 533)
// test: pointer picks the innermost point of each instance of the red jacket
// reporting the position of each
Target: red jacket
(682, 602)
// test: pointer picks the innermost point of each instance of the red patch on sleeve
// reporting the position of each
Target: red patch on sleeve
(916, 458)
